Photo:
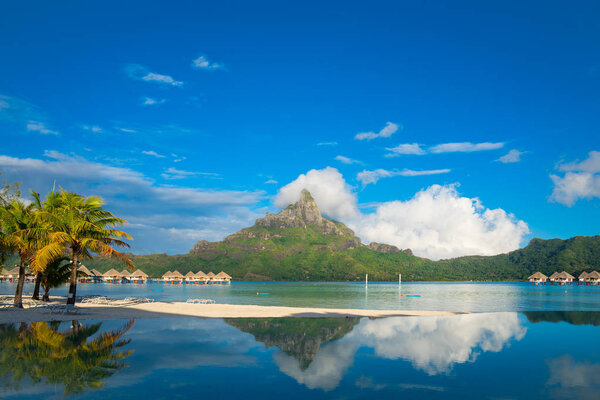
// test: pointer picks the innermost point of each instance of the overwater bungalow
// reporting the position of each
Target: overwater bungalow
(553, 278)
(138, 276)
(582, 277)
(189, 278)
(84, 274)
(125, 275)
(111, 276)
(593, 278)
(222, 278)
(174, 278)
(165, 276)
(201, 277)
(538, 278)
(564, 278)
(210, 278)
(12, 275)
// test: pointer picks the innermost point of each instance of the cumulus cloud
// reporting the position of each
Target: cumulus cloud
(203, 63)
(40, 127)
(347, 160)
(329, 189)
(405, 148)
(572, 379)
(513, 156)
(271, 182)
(436, 223)
(465, 147)
(581, 180)
(139, 72)
(367, 177)
(387, 131)
(162, 217)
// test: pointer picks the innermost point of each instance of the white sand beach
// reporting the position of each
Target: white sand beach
(179, 310)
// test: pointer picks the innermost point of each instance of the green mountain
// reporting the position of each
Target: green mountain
(299, 244)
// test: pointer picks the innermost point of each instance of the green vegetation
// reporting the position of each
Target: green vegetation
(570, 317)
(64, 224)
(313, 257)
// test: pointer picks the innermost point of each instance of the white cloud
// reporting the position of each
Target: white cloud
(149, 101)
(465, 147)
(513, 156)
(328, 188)
(405, 148)
(436, 223)
(389, 129)
(126, 130)
(173, 173)
(271, 182)
(92, 128)
(327, 144)
(367, 177)
(158, 213)
(40, 127)
(139, 72)
(346, 160)
(580, 181)
(152, 153)
(203, 63)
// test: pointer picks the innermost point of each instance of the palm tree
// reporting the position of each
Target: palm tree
(81, 227)
(55, 273)
(16, 219)
(50, 204)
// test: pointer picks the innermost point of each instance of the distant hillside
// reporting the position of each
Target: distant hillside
(298, 244)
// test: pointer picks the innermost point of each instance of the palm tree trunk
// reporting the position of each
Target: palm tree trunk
(36, 290)
(46, 291)
(19, 293)
(73, 286)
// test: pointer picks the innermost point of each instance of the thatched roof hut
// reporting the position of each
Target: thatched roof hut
(565, 276)
(593, 276)
(112, 273)
(553, 277)
(583, 276)
(167, 274)
(125, 274)
(190, 276)
(176, 274)
(138, 273)
(200, 274)
(210, 275)
(537, 277)
(95, 272)
(84, 270)
(223, 275)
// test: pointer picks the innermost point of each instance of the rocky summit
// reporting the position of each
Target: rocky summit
(301, 220)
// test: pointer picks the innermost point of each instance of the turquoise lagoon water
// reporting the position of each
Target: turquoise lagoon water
(540, 355)
(455, 296)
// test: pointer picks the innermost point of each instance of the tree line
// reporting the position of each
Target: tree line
(52, 236)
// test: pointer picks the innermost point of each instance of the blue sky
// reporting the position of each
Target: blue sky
(189, 117)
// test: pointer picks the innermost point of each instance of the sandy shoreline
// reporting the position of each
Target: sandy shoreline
(181, 310)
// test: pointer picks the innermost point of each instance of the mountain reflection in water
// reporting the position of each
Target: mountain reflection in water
(77, 358)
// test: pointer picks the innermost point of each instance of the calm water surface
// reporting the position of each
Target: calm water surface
(540, 355)
(482, 297)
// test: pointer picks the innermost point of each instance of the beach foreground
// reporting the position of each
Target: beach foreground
(180, 310)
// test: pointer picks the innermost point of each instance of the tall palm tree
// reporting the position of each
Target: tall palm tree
(16, 219)
(81, 227)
